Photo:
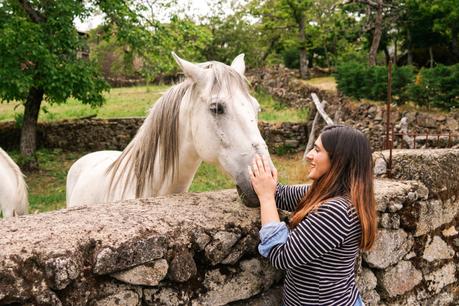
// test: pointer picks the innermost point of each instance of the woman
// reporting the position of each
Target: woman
(332, 219)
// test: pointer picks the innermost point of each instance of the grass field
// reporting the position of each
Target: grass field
(47, 186)
(135, 102)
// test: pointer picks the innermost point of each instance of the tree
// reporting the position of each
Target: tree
(286, 16)
(40, 52)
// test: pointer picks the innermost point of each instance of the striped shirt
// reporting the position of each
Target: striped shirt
(319, 254)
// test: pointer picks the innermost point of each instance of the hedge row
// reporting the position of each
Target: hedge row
(431, 87)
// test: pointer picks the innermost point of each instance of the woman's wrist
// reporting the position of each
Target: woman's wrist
(267, 198)
(268, 210)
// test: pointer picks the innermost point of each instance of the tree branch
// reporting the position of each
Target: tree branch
(320, 109)
(33, 14)
(312, 134)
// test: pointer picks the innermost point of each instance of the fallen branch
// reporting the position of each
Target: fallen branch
(313, 131)
(321, 110)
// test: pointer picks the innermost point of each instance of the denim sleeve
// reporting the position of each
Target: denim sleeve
(272, 234)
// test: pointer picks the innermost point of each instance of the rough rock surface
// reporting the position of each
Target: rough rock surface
(200, 249)
(46, 256)
(437, 169)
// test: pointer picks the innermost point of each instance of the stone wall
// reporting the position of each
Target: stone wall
(200, 249)
(369, 117)
(106, 134)
(283, 84)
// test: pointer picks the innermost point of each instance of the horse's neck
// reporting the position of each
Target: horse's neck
(188, 164)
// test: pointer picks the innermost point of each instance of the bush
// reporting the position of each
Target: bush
(357, 80)
(291, 58)
(436, 87)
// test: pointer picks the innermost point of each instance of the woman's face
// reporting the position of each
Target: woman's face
(319, 160)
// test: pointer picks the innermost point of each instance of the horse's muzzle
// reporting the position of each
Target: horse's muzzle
(248, 196)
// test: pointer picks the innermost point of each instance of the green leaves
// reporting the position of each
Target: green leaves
(43, 53)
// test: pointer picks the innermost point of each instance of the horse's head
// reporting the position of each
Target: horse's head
(222, 118)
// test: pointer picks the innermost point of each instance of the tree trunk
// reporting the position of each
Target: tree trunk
(303, 52)
(454, 43)
(387, 55)
(409, 59)
(29, 128)
(431, 57)
(327, 58)
(376, 35)
(268, 51)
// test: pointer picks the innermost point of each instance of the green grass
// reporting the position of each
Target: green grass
(324, 83)
(47, 186)
(274, 111)
(135, 102)
(120, 103)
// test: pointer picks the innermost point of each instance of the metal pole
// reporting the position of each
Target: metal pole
(389, 142)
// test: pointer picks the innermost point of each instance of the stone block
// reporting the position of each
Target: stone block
(147, 274)
(126, 297)
(401, 278)
(435, 213)
(390, 246)
(182, 266)
(440, 278)
(437, 249)
(450, 231)
(220, 247)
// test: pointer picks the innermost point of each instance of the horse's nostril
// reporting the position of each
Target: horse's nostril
(247, 199)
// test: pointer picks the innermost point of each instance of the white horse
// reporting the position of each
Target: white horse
(13, 188)
(208, 117)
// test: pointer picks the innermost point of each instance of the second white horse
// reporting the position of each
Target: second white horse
(13, 188)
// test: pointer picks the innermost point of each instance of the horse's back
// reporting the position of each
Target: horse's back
(87, 179)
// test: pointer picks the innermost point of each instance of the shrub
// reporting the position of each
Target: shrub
(357, 80)
(436, 87)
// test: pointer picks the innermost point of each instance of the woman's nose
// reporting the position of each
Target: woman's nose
(310, 155)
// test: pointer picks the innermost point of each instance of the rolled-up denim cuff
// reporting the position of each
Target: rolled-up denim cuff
(272, 234)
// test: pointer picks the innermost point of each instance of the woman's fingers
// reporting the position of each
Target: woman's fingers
(255, 170)
(261, 167)
(274, 174)
(267, 168)
(251, 175)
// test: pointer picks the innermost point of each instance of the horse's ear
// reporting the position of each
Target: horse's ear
(191, 70)
(238, 64)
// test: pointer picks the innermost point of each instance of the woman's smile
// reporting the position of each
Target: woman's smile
(319, 160)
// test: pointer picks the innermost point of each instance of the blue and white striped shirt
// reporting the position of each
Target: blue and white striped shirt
(319, 254)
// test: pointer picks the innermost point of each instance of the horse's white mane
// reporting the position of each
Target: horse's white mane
(158, 135)
(20, 181)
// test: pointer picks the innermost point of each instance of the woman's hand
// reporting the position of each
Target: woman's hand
(264, 180)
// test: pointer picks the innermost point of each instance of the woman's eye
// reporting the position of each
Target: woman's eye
(217, 108)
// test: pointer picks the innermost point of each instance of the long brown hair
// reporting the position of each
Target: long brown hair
(350, 175)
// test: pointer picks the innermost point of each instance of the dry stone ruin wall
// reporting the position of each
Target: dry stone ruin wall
(103, 134)
(200, 249)
(370, 118)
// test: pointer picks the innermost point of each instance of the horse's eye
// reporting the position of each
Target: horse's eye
(217, 108)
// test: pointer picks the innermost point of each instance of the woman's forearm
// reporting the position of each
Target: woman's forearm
(268, 210)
